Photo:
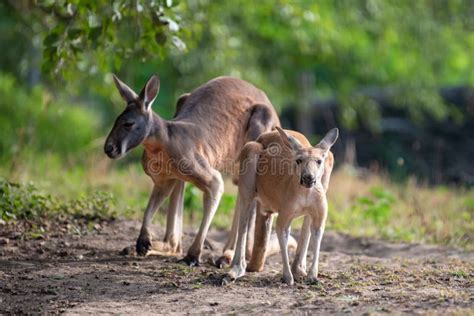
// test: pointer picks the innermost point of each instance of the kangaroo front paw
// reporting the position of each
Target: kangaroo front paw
(143, 245)
(190, 260)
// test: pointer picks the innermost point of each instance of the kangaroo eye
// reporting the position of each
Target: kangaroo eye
(298, 161)
(128, 124)
(319, 161)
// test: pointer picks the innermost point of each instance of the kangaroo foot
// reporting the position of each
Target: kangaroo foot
(190, 260)
(288, 279)
(226, 280)
(236, 272)
(312, 280)
(163, 248)
(143, 245)
(299, 274)
(222, 262)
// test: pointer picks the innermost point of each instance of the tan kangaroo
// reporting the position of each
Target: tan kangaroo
(288, 176)
(211, 125)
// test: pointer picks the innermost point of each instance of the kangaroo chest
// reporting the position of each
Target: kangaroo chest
(283, 198)
(158, 164)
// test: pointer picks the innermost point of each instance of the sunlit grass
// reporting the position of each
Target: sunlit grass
(417, 213)
(359, 204)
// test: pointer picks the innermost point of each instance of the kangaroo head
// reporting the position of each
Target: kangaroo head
(309, 161)
(133, 125)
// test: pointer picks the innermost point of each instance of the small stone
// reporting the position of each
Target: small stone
(58, 276)
(127, 251)
(49, 292)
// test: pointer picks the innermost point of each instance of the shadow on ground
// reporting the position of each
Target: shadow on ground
(86, 274)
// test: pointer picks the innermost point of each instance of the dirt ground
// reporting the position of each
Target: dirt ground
(78, 274)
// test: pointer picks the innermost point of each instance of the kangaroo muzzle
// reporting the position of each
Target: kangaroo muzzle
(111, 150)
(307, 180)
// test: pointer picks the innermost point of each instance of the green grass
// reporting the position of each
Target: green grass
(57, 145)
(412, 212)
(38, 214)
(26, 202)
(372, 206)
(460, 274)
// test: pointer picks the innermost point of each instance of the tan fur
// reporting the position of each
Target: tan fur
(210, 126)
(272, 178)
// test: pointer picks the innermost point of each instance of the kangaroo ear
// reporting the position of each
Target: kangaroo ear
(328, 140)
(150, 91)
(288, 140)
(127, 94)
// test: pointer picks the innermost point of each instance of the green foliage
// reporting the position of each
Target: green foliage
(373, 213)
(93, 36)
(460, 274)
(225, 211)
(294, 50)
(96, 206)
(299, 50)
(408, 211)
(25, 202)
(35, 121)
(377, 206)
(227, 204)
(22, 202)
(193, 205)
(192, 198)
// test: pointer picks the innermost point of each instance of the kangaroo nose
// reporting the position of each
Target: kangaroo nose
(108, 148)
(307, 180)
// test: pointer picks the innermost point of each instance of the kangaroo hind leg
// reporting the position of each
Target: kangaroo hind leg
(245, 204)
(261, 120)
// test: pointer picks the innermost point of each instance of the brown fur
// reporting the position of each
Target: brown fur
(260, 249)
(273, 172)
(211, 125)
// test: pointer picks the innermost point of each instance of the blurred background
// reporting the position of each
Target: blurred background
(397, 77)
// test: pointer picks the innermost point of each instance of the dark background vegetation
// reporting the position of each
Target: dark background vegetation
(397, 77)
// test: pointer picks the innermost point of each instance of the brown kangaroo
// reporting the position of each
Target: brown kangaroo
(211, 125)
(284, 174)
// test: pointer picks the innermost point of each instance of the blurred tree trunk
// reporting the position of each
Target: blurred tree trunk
(33, 75)
(350, 152)
(306, 83)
